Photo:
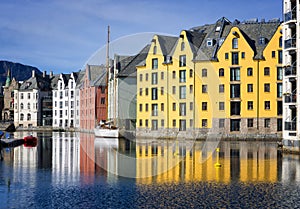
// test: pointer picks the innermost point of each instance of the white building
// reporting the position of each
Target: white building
(28, 100)
(64, 101)
(291, 75)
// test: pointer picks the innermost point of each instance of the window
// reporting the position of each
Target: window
(182, 61)
(204, 123)
(182, 77)
(154, 78)
(28, 95)
(234, 74)
(273, 54)
(221, 123)
(266, 71)
(262, 41)
(221, 105)
(191, 123)
(162, 76)
(280, 57)
(141, 91)
(141, 122)
(250, 105)
(191, 89)
(235, 43)
(182, 125)
(22, 116)
(28, 117)
(66, 103)
(174, 74)
(249, 87)
(250, 122)
(221, 72)
(154, 49)
(234, 58)
(249, 71)
(174, 123)
(154, 110)
(154, 94)
(60, 94)
(204, 72)
(243, 55)
(162, 90)
(162, 123)
(182, 109)
(21, 106)
(204, 88)
(102, 100)
(174, 106)
(191, 105)
(279, 73)
(146, 123)
(141, 77)
(28, 106)
(279, 90)
(141, 107)
(182, 46)
(191, 73)
(147, 77)
(221, 88)
(146, 107)
(267, 105)
(162, 107)
(182, 92)
(174, 89)
(204, 105)
(226, 56)
(154, 63)
(22, 96)
(267, 87)
(146, 91)
(267, 122)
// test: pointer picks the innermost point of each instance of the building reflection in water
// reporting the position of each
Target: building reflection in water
(65, 158)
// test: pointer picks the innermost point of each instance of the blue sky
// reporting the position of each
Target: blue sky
(61, 35)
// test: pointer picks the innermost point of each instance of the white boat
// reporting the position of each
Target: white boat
(106, 130)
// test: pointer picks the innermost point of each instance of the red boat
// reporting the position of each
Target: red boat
(30, 139)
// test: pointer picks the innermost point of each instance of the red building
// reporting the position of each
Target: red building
(93, 97)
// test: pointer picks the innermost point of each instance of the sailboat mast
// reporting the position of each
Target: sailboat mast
(107, 68)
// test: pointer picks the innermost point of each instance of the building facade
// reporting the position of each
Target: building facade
(290, 30)
(223, 78)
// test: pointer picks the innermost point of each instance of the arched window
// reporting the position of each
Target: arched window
(154, 49)
(280, 41)
(235, 43)
(182, 46)
(221, 72)
(28, 116)
(28, 106)
(21, 106)
(22, 116)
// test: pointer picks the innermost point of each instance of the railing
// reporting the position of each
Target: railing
(290, 126)
(292, 98)
(291, 70)
(290, 43)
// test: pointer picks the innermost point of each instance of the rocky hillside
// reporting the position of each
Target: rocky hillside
(19, 71)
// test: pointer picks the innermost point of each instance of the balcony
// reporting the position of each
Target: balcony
(291, 15)
(290, 126)
(290, 71)
(290, 43)
(291, 98)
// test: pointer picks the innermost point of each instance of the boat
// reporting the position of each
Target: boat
(30, 139)
(106, 130)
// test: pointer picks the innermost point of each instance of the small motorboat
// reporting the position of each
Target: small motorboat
(30, 139)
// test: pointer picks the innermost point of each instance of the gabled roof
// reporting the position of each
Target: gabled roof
(95, 73)
(166, 43)
(54, 81)
(132, 62)
(36, 82)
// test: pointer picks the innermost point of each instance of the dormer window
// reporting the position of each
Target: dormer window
(182, 46)
(210, 42)
(262, 41)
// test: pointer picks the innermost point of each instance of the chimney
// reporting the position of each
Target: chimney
(33, 73)
(44, 74)
(51, 74)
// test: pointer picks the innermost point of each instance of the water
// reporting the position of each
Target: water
(78, 171)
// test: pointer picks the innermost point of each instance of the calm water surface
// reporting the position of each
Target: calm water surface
(78, 171)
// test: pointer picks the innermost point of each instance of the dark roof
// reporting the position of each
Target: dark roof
(166, 43)
(251, 30)
(36, 82)
(129, 64)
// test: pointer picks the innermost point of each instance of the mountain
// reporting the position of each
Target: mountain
(18, 71)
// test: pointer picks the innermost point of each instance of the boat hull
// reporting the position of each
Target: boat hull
(106, 133)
